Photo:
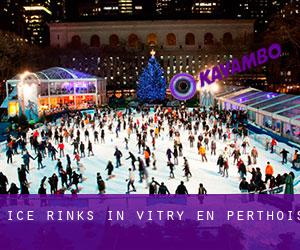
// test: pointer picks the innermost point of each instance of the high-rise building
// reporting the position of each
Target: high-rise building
(37, 14)
(206, 7)
(12, 16)
(125, 6)
(58, 9)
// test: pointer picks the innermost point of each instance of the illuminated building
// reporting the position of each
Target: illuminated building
(53, 90)
(37, 14)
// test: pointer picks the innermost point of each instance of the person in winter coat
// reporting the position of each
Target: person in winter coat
(109, 169)
(147, 158)
(273, 144)
(242, 169)
(42, 189)
(82, 148)
(181, 189)
(153, 187)
(220, 163)
(141, 169)
(175, 154)
(9, 154)
(186, 168)
(53, 181)
(269, 171)
(39, 157)
(284, 154)
(130, 181)
(118, 154)
(258, 178)
(244, 186)
(75, 179)
(163, 189)
(254, 155)
(236, 155)
(295, 158)
(90, 149)
(213, 146)
(202, 189)
(13, 189)
(3, 183)
(133, 160)
(169, 154)
(61, 147)
(101, 184)
(202, 152)
(289, 183)
(171, 166)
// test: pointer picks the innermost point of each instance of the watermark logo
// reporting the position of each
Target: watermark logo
(183, 86)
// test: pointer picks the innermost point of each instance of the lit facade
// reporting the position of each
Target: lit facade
(37, 14)
(53, 90)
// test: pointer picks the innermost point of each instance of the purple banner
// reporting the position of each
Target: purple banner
(150, 222)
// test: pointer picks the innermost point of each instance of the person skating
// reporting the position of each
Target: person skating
(53, 181)
(26, 159)
(284, 154)
(22, 175)
(96, 134)
(75, 180)
(244, 186)
(61, 147)
(163, 189)
(289, 183)
(64, 178)
(90, 149)
(153, 161)
(102, 136)
(118, 154)
(141, 169)
(295, 158)
(147, 157)
(202, 189)
(42, 189)
(133, 160)
(181, 189)
(254, 155)
(171, 166)
(100, 184)
(130, 181)
(13, 189)
(213, 146)
(269, 171)
(82, 148)
(273, 144)
(3, 183)
(241, 169)
(220, 163)
(109, 169)
(153, 187)
(169, 154)
(186, 169)
(39, 158)
(175, 155)
(9, 154)
(202, 152)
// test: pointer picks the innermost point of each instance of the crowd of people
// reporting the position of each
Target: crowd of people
(210, 131)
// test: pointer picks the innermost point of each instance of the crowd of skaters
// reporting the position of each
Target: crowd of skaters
(206, 129)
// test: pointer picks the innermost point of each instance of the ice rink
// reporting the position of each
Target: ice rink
(206, 173)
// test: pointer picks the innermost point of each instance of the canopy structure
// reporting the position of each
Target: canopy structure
(275, 111)
(58, 73)
(53, 90)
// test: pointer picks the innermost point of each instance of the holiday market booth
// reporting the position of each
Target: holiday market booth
(52, 90)
(276, 112)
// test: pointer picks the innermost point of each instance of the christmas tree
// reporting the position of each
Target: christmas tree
(152, 83)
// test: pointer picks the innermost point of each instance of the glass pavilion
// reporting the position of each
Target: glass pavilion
(277, 112)
(58, 88)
